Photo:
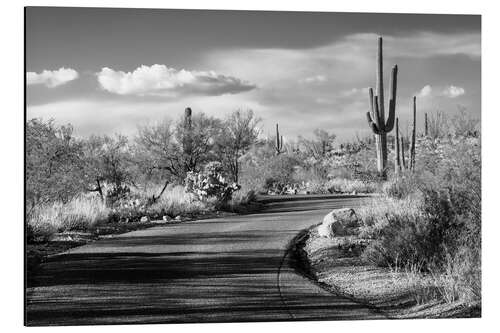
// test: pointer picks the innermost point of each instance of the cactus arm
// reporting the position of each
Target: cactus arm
(370, 96)
(392, 101)
(371, 123)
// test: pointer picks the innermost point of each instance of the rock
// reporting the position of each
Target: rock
(178, 218)
(339, 222)
(166, 218)
(145, 219)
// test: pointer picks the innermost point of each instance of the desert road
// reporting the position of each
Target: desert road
(214, 270)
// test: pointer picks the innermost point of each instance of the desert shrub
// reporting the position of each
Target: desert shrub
(177, 201)
(210, 183)
(438, 125)
(400, 187)
(432, 220)
(463, 124)
(116, 194)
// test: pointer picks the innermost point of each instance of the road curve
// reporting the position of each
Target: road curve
(216, 270)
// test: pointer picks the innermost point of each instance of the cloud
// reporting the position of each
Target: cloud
(453, 92)
(425, 91)
(160, 80)
(316, 79)
(52, 79)
(449, 92)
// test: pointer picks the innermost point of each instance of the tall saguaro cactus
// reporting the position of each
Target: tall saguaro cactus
(376, 116)
(279, 142)
(413, 134)
(397, 160)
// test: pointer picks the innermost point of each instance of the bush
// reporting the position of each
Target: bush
(400, 187)
(431, 220)
(210, 183)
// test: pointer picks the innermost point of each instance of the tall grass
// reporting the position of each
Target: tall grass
(86, 211)
(176, 201)
(81, 213)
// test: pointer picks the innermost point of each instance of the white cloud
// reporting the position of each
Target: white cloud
(425, 91)
(316, 79)
(453, 92)
(449, 92)
(52, 79)
(160, 80)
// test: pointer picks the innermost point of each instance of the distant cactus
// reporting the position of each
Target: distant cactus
(403, 160)
(397, 160)
(376, 118)
(413, 134)
(279, 142)
(187, 139)
(426, 125)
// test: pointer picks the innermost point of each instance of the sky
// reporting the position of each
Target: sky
(109, 71)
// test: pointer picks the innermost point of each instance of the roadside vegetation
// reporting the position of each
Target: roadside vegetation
(428, 222)
(193, 167)
(417, 251)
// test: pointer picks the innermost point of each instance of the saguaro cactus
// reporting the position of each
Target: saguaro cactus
(426, 125)
(279, 142)
(376, 116)
(413, 134)
(403, 160)
(187, 138)
(397, 161)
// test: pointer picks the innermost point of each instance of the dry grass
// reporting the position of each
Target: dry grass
(373, 213)
(81, 213)
(176, 201)
(351, 185)
(85, 211)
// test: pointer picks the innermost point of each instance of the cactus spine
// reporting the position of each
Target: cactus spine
(376, 116)
(397, 161)
(413, 134)
(279, 141)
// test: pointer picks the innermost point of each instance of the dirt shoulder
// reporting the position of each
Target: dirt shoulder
(335, 265)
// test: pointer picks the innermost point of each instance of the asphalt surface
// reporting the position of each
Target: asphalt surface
(217, 270)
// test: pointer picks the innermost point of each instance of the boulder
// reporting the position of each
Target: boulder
(145, 219)
(338, 223)
(166, 218)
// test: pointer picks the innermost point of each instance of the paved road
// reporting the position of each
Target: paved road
(216, 270)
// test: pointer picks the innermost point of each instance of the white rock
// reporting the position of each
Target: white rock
(145, 219)
(339, 222)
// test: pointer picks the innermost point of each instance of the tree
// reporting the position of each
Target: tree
(157, 153)
(320, 145)
(53, 165)
(239, 132)
(195, 142)
(169, 151)
(107, 161)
